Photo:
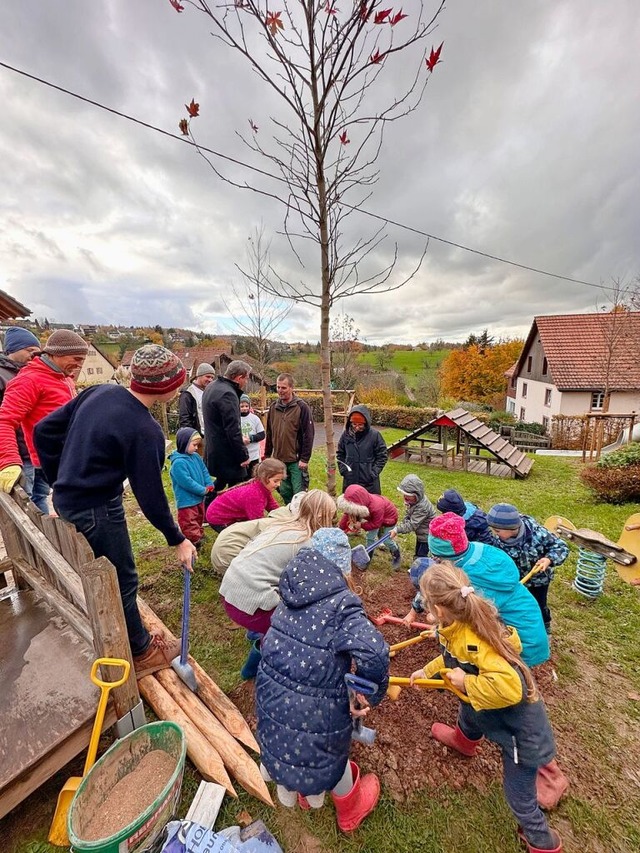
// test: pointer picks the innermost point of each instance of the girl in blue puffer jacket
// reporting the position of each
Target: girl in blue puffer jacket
(317, 634)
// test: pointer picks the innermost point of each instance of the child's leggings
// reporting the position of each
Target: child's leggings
(374, 535)
(519, 785)
(288, 798)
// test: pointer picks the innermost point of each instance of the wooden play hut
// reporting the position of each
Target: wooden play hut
(458, 440)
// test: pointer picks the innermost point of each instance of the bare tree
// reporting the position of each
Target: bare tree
(329, 67)
(256, 310)
(344, 351)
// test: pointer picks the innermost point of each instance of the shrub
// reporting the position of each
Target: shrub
(533, 428)
(628, 455)
(613, 485)
(377, 396)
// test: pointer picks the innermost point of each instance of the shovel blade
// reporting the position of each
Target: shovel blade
(58, 835)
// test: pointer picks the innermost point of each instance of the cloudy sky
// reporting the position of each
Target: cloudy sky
(525, 147)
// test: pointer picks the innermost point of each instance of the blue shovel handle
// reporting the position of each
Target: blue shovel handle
(186, 601)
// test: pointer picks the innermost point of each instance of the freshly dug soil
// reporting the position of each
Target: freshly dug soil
(129, 797)
(404, 755)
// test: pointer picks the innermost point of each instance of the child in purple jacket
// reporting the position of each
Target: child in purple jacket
(250, 500)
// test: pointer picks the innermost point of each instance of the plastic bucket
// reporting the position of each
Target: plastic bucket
(145, 832)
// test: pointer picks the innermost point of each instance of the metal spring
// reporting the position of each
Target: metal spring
(590, 573)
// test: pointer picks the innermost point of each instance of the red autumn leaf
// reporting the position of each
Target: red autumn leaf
(397, 18)
(254, 127)
(344, 139)
(193, 109)
(330, 9)
(376, 57)
(177, 5)
(381, 16)
(274, 23)
(434, 58)
(183, 124)
(366, 9)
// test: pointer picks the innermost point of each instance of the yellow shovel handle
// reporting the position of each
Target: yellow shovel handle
(105, 689)
(423, 635)
(529, 575)
(431, 684)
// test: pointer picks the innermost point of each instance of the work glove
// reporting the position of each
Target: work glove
(9, 477)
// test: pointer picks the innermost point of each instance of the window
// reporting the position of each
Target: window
(529, 363)
(523, 414)
(545, 366)
(89, 371)
(98, 370)
(597, 400)
(545, 424)
(511, 406)
(525, 388)
(547, 397)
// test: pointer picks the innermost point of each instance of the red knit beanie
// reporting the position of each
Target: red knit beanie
(156, 370)
(447, 537)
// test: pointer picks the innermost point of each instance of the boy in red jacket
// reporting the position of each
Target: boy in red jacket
(374, 514)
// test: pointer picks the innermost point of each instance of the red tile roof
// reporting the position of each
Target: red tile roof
(577, 347)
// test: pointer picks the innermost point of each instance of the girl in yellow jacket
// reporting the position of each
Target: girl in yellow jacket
(483, 660)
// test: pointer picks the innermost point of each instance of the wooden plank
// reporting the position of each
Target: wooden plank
(110, 639)
(68, 579)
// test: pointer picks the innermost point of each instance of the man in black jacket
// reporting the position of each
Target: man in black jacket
(362, 452)
(190, 402)
(226, 453)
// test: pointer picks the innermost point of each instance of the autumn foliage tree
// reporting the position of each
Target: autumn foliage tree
(477, 372)
(340, 73)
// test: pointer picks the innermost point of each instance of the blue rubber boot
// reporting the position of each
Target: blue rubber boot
(250, 666)
(252, 636)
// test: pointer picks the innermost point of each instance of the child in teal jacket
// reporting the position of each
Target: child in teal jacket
(191, 482)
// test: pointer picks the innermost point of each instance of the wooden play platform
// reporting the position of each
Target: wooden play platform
(474, 447)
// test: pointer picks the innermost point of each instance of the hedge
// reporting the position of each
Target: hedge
(613, 485)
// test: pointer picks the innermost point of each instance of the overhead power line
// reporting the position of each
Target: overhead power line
(266, 174)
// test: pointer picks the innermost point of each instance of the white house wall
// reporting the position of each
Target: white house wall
(567, 402)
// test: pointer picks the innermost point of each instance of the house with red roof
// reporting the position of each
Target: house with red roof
(571, 363)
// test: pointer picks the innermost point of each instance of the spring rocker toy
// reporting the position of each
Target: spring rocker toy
(594, 550)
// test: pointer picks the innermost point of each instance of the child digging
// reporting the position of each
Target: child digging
(248, 501)
(190, 481)
(504, 705)
(304, 720)
(529, 545)
(374, 514)
(418, 513)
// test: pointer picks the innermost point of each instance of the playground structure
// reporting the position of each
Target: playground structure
(475, 447)
(62, 612)
(593, 435)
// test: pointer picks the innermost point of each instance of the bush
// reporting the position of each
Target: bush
(533, 428)
(628, 455)
(613, 485)
(377, 396)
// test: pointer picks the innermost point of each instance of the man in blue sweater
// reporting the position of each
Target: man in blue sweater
(88, 448)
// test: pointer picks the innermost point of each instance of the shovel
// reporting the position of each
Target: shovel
(180, 664)
(396, 684)
(360, 555)
(58, 832)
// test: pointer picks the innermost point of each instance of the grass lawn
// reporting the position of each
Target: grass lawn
(411, 364)
(595, 711)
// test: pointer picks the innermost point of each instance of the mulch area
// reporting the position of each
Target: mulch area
(404, 755)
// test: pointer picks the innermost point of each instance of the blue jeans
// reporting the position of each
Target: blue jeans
(105, 529)
(36, 487)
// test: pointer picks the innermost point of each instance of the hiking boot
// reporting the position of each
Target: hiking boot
(158, 655)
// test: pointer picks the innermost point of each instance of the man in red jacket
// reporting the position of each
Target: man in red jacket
(41, 387)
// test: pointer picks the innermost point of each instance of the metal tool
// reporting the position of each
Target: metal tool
(361, 554)
(356, 684)
(58, 832)
(180, 664)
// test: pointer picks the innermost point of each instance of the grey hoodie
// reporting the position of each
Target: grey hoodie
(418, 516)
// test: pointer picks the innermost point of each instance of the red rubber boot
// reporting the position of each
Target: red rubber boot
(361, 800)
(455, 739)
(551, 785)
(530, 849)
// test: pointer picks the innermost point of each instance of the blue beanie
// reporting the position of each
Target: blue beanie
(504, 517)
(418, 568)
(451, 501)
(16, 338)
(333, 544)
(183, 437)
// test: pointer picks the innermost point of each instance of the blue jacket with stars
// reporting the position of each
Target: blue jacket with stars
(317, 632)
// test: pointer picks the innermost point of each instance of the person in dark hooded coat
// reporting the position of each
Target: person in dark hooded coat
(475, 520)
(304, 722)
(362, 452)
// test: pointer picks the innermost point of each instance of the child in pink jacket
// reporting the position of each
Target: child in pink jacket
(248, 501)
(374, 514)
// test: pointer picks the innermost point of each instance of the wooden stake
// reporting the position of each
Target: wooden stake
(200, 751)
(241, 766)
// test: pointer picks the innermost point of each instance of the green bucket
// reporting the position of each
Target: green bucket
(144, 833)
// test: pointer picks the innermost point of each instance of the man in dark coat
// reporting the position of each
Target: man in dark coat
(226, 453)
(362, 452)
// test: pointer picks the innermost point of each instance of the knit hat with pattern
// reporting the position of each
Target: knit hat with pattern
(156, 370)
(17, 338)
(503, 517)
(446, 536)
(65, 342)
(333, 544)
